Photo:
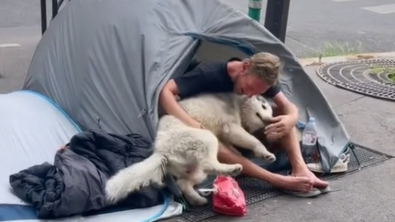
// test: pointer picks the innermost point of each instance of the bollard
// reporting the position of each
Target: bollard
(276, 17)
(1, 62)
(254, 9)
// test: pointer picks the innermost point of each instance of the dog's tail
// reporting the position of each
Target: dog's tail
(132, 178)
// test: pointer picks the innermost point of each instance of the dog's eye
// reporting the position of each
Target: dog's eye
(264, 107)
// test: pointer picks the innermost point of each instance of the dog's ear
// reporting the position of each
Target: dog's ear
(263, 98)
(255, 98)
(244, 98)
(271, 103)
(266, 100)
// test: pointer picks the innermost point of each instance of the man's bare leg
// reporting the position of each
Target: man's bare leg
(294, 183)
(291, 145)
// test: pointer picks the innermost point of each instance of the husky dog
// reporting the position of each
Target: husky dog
(188, 153)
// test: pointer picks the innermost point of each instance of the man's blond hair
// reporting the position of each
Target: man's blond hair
(265, 66)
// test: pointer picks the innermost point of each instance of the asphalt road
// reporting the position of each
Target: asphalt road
(345, 24)
(342, 23)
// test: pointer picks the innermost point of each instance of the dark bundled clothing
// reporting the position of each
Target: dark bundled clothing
(75, 183)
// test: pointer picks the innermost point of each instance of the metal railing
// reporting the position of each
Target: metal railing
(276, 16)
(55, 9)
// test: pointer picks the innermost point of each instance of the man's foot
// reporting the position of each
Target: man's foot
(317, 183)
(294, 183)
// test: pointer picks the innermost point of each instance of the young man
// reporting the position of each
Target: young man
(255, 75)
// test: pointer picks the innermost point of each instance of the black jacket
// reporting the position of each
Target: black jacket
(75, 183)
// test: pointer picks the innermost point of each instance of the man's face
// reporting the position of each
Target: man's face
(250, 85)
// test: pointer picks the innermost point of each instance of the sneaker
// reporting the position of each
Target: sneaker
(341, 165)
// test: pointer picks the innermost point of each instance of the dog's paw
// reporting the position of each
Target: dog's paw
(265, 155)
(236, 170)
(198, 201)
(269, 157)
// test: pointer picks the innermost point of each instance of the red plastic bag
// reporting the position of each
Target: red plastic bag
(228, 199)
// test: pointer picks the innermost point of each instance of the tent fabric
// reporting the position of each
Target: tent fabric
(32, 128)
(108, 60)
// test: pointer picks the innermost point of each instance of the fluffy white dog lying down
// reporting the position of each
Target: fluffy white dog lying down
(189, 153)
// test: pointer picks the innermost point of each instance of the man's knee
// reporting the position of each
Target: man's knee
(272, 146)
(291, 135)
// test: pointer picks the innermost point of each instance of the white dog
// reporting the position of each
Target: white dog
(189, 153)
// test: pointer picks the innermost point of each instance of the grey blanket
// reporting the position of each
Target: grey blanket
(75, 183)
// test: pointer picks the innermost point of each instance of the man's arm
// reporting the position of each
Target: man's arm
(285, 119)
(285, 106)
(167, 99)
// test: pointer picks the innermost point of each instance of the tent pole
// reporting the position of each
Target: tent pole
(276, 17)
(43, 5)
(254, 9)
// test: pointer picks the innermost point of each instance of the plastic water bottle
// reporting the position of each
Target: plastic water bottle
(309, 141)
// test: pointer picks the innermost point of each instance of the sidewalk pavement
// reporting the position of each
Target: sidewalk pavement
(364, 196)
(368, 195)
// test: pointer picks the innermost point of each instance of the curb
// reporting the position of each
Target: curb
(315, 60)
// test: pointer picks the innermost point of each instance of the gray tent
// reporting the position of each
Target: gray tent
(103, 62)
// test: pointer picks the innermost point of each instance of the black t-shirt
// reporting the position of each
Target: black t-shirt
(211, 78)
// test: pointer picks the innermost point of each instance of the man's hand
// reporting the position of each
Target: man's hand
(279, 127)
